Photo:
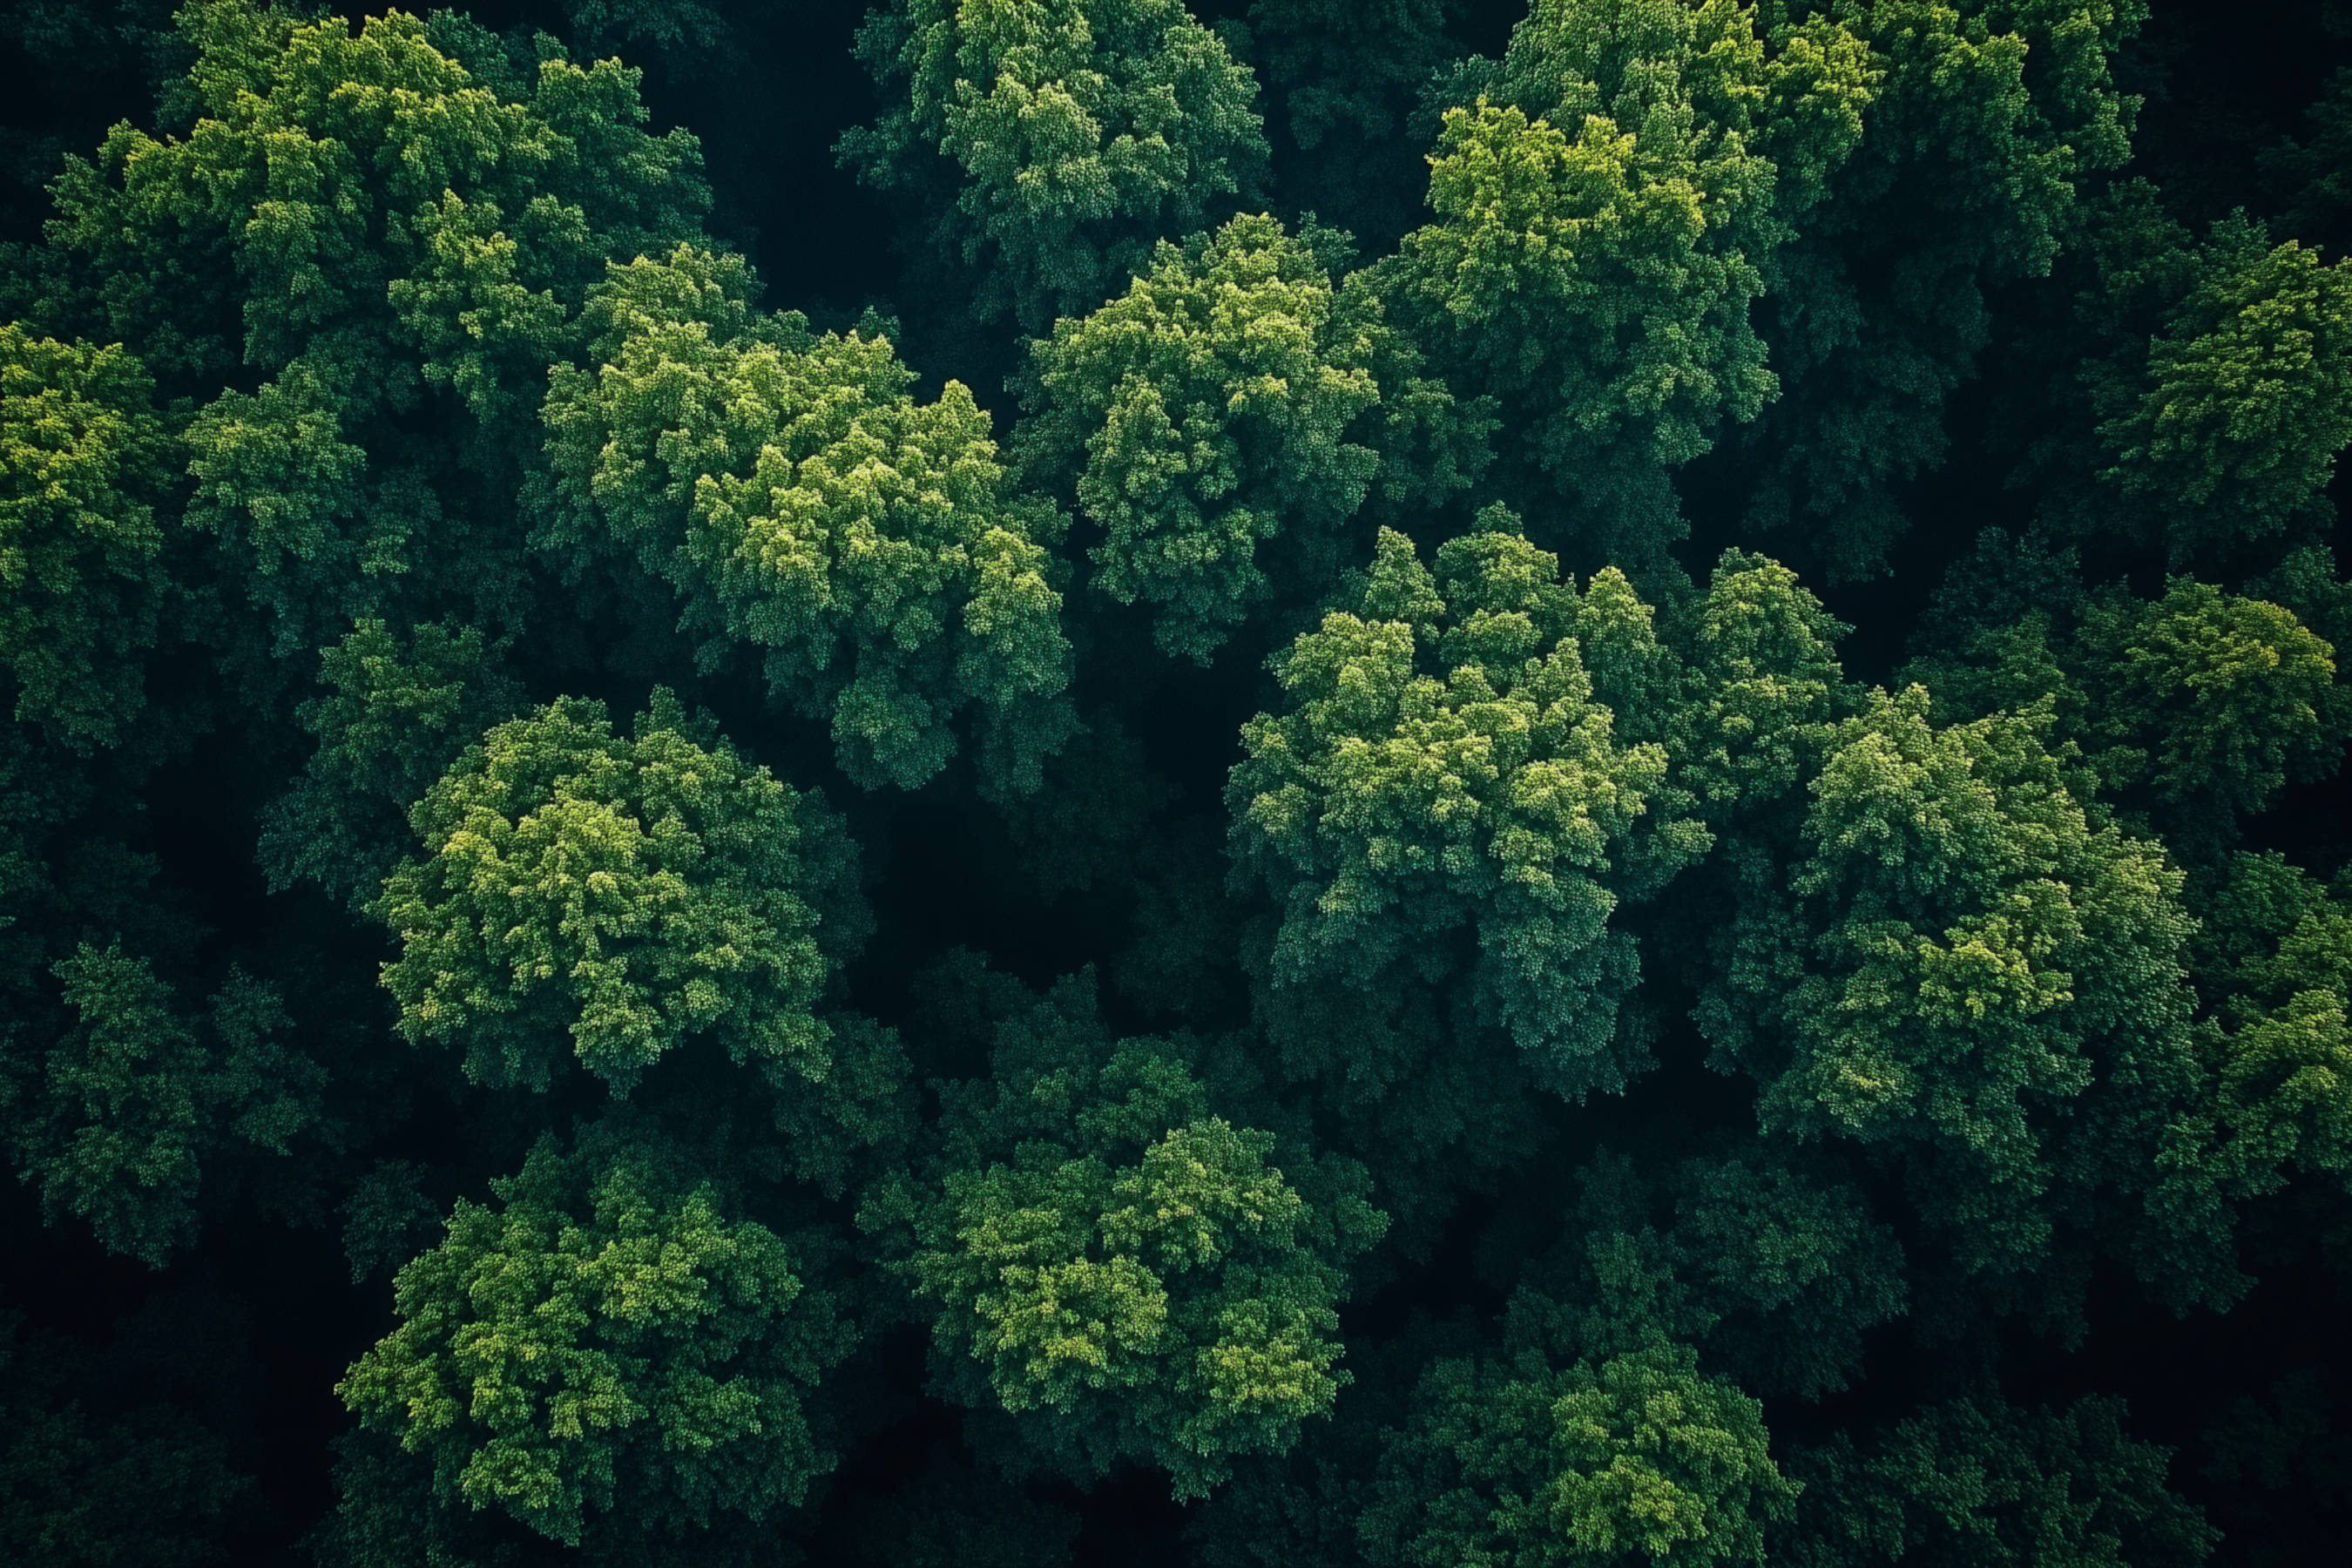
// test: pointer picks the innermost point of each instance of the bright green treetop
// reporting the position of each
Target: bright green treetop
(618, 896)
(1635, 1457)
(1119, 1268)
(1055, 140)
(1212, 422)
(83, 461)
(1446, 795)
(868, 547)
(608, 1352)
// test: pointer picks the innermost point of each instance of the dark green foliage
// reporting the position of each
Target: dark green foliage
(398, 716)
(1959, 950)
(117, 1117)
(2227, 698)
(668, 26)
(1982, 124)
(1768, 691)
(2198, 707)
(384, 1216)
(2309, 168)
(1221, 421)
(393, 232)
(2246, 396)
(1606, 216)
(1792, 1271)
(1342, 79)
(1638, 1459)
(81, 1487)
(2274, 965)
(2201, 388)
(1050, 141)
(1978, 1481)
(2285, 1456)
(1589, 1436)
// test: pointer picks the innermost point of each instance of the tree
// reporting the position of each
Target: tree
(2216, 702)
(1446, 798)
(1636, 1456)
(1977, 1481)
(1582, 1074)
(1766, 690)
(609, 1351)
(671, 28)
(2199, 707)
(400, 710)
(1984, 122)
(1224, 420)
(1967, 965)
(84, 462)
(1049, 142)
(1766, 1262)
(1793, 1271)
(2309, 171)
(1117, 1266)
(83, 1484)
(391, 231)
(622, 895)
(1606, 215)
(798, 502)
(2274, 969)
(2231, 428)
(118, 1117)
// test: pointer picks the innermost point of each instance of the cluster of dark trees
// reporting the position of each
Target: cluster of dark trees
(1292, 784)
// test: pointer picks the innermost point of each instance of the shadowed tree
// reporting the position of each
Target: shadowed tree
(1047, 143)
(1606, 217)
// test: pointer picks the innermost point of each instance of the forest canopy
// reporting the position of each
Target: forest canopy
(1255, 783)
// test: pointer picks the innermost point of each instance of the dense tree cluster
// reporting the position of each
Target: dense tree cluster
(1017, 782)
